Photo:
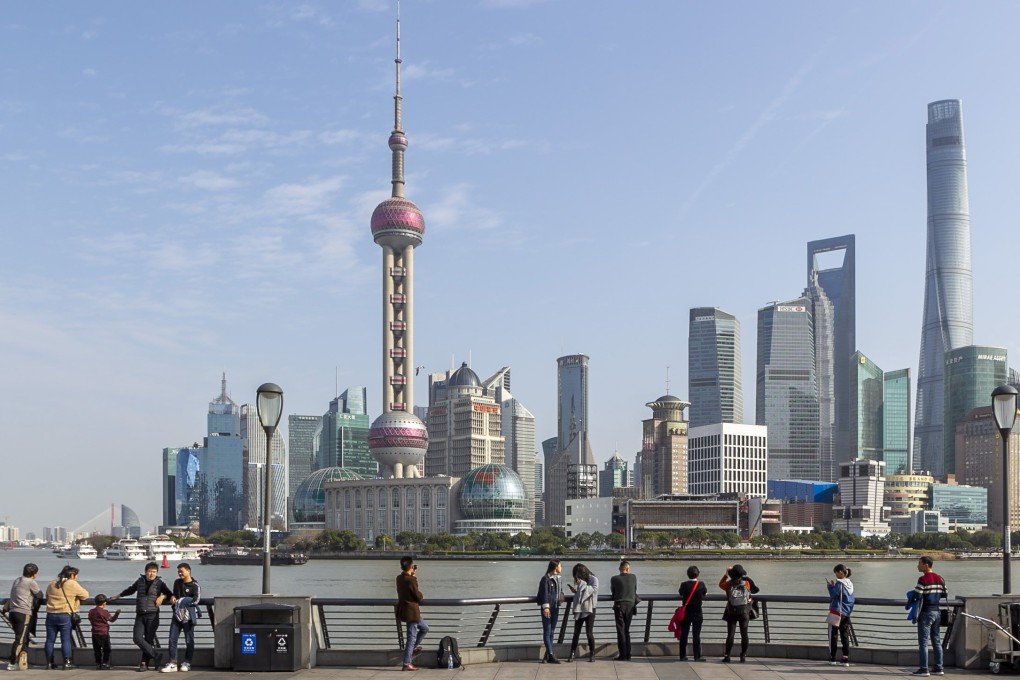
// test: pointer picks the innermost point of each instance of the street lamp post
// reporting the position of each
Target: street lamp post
(270, 407)
(1004, 407)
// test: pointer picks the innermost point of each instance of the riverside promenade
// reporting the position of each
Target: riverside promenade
(652, 668)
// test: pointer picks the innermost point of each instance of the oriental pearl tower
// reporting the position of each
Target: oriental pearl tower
(398, 439)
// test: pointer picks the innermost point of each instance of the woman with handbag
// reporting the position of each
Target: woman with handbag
(63, 600)
(841, 605)
(692, 594)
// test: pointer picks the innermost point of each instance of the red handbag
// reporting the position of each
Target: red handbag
(681, 611)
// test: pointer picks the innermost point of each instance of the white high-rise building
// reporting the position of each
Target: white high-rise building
(254, 438)
(861, 507)
(728, 458)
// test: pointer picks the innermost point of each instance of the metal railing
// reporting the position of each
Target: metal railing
(370, 623)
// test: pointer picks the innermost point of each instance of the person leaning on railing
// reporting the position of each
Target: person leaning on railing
(63, 600)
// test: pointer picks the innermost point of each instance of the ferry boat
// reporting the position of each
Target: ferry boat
(243, 556)
(161, 548)
(82, 551)
(126, 549)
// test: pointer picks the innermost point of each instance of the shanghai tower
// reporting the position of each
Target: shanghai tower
(948, 297)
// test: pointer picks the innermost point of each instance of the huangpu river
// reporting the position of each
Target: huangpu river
(885, 578)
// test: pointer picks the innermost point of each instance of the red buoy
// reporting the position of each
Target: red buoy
(166, 562)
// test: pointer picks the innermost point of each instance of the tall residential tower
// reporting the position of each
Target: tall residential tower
(948, 296)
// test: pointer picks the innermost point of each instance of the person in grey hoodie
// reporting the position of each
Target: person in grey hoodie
(841, 602)
(586, 593)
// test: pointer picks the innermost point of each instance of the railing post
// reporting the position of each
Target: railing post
(489, 626)
(323, 625)
(400, 629)
(765, 621)
(563, 623)
(648, 622)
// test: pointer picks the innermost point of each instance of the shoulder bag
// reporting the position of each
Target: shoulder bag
(681, 611)
(834, 618)
(75, 617)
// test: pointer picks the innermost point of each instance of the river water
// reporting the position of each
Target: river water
(885, 578)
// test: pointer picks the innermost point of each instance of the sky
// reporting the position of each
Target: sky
(186, 187)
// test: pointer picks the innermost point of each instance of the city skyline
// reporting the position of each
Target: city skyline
(169, 179)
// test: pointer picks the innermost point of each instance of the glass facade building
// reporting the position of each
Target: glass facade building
(714, 382)
(832, 289)
(344, 438)
(310, 497)
(787, 390)
(221, 469)
(866, 400)
(896, 421)
(302, 445)
(961, 504)
(948, 314)
(970, 375)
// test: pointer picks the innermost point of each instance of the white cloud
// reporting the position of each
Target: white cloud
(207, 179)
(244, 116)
(301, 199)
(456, 210)
(90, 72)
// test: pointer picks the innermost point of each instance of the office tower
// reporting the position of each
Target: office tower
(169, 470)
(861, 508)
(517, 425)
(948, 298)
(714, 382)
(344, 440)
(787, 390)
(969, 375)
(964, 506)
(188, 485)
(728, 458)
(664, 448)
(254, 438)
(615, 474)
(540, 486)
(302, 447)
(896, 421)
(832, 290)
(572, 472)
(866, 401)
(979, 462)
(464, 427)
(222, 467)
(398, 439)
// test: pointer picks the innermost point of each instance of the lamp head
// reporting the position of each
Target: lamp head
(270, 405)
(1004, 398)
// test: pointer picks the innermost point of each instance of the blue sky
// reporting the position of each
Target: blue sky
(185, 188)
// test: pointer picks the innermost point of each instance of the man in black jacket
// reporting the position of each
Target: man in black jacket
(150, 591)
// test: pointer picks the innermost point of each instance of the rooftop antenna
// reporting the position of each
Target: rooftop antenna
(667, 379)
(398, 172)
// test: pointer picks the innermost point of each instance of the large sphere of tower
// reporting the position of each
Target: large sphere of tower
(400, 438)
(397, 223)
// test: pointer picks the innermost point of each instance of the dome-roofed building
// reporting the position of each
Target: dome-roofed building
(492, 498)
(464, 377)
(310, 497)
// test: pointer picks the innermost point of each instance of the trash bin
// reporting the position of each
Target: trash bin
(265, 637)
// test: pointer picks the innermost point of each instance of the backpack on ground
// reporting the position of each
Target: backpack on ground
(739, 595)
(448, 649)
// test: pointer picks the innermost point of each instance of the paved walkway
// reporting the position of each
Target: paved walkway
(641, 669)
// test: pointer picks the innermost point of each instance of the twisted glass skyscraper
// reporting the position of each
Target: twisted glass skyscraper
(948, 297)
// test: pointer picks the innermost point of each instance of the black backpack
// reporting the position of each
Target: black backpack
(448, 649)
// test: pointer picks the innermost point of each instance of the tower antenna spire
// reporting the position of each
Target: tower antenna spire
(398, 131)
(667, 380)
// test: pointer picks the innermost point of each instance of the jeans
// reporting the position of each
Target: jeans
(549, 628)
(928, 628)
(416, 632)
(144, 634)
(623, 612)
(58, 623)
(691, 627)
(188, 628)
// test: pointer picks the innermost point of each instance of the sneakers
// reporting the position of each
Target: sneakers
(921, 673)
(142, 667)
(938, 671)
(833, 662)
(68, 666)
(12, 667)
(170, 667)
(184, 667)
(845, 661)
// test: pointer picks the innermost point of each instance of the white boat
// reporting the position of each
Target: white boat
(126, 549)
(83, 551)
(159, 547)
